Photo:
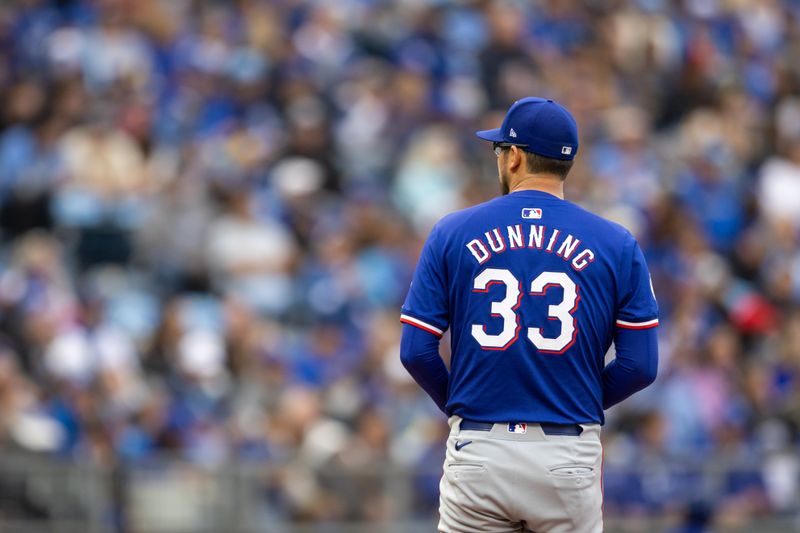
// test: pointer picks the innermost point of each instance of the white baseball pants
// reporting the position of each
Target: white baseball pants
(498, 481)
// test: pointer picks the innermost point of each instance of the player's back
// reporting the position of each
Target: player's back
(532, 287)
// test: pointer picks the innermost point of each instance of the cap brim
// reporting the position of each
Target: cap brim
(491, 135)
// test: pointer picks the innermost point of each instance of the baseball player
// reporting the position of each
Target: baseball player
(534, 290)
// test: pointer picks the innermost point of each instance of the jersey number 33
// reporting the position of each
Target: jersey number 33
(507, 310)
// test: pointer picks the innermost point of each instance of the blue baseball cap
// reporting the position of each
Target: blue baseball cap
(540, 126)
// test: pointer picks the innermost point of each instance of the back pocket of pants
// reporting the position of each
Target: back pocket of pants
(578, 489)
(573, 471)
(465, 470)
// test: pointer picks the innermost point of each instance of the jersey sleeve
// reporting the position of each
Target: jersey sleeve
(426, 303)
(636, 302)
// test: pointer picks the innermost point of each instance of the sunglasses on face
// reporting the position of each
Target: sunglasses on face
(498, 147)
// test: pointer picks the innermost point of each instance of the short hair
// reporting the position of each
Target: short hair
(538, 164)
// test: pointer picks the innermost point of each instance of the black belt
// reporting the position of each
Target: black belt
(548, 428)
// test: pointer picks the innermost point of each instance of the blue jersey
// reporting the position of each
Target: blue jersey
(532, 288)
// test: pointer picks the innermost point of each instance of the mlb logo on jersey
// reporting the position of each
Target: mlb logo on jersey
(518, 427)
(531, 212)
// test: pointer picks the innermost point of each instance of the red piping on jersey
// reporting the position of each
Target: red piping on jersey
(645, 325)
(420, 326)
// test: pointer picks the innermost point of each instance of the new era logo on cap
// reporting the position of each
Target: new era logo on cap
(531, 212)
(566, 150)
(512, 133)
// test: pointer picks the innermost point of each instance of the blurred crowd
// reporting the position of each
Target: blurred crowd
(210, 212)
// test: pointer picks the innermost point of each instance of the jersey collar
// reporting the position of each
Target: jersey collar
(535, 194)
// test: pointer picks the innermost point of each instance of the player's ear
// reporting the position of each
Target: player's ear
(516, 158)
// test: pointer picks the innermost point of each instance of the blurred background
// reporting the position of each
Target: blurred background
(210, 212)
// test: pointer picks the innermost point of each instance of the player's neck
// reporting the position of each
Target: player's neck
(539, 182)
